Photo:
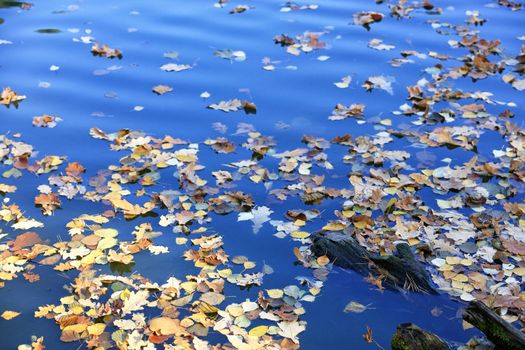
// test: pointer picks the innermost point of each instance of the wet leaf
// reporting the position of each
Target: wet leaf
(105, 51)
(9, 315)
(162, 89)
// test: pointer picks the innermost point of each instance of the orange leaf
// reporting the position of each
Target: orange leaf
(368, 335)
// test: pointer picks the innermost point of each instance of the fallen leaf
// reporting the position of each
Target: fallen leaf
(8, 315)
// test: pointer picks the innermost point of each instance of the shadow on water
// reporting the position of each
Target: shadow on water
(48, 31)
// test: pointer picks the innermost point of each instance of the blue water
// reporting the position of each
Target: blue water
(88, 91)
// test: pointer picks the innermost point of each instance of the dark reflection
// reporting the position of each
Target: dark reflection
(48, 31)
(21, 4)
(2, 20)
(120, 268)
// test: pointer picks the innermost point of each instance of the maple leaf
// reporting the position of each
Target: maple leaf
(7, 188)
(48, 202)
(227, 106)
(258, 216)
(9, 97)
(31, 277)
(290, 330)
(75, 169)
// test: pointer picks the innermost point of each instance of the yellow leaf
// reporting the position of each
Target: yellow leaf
(189, 287)
(235, 310)
(106, 232)
(67, 300)
(249, 265)
(225, 273)
(299, 234)
(360, 224)
(165, 326)
(106, 243)
(181, 240)
(76, 310)
(96, 329)
(413, 241)
(520, 271)
(314, 291)
(334, 226)
(275, 293)
(8, 315)
(99, 219)
(299, 222)
(258, 331)
(348, 213)
(77, 328)
(43, 310)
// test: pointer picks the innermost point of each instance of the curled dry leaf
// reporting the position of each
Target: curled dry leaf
(9, 97)
(366, 18)
(46, 121)
(105, 51)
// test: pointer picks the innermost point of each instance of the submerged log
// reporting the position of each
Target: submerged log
(404, 270)
(408, 336)
(343, 250)
(501, 333)
(400, 271)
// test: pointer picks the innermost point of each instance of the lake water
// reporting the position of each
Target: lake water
(45, 59)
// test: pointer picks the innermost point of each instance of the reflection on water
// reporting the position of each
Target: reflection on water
(21, 4)
(48, 31)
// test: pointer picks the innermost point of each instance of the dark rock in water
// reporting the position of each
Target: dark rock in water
(398, 271)
(501, 333)
(343, 250)
(408, 336)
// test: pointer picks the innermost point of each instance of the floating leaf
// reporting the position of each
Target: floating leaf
(8, 315)
(172, 67)
(105, 51)
(162, 89)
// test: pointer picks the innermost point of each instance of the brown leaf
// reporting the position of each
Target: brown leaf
(31, 277)
(46, 121)
(75, 169)
(48, 202)
(368, 335)
(105, 51)
(9, 97)
(24, 240)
